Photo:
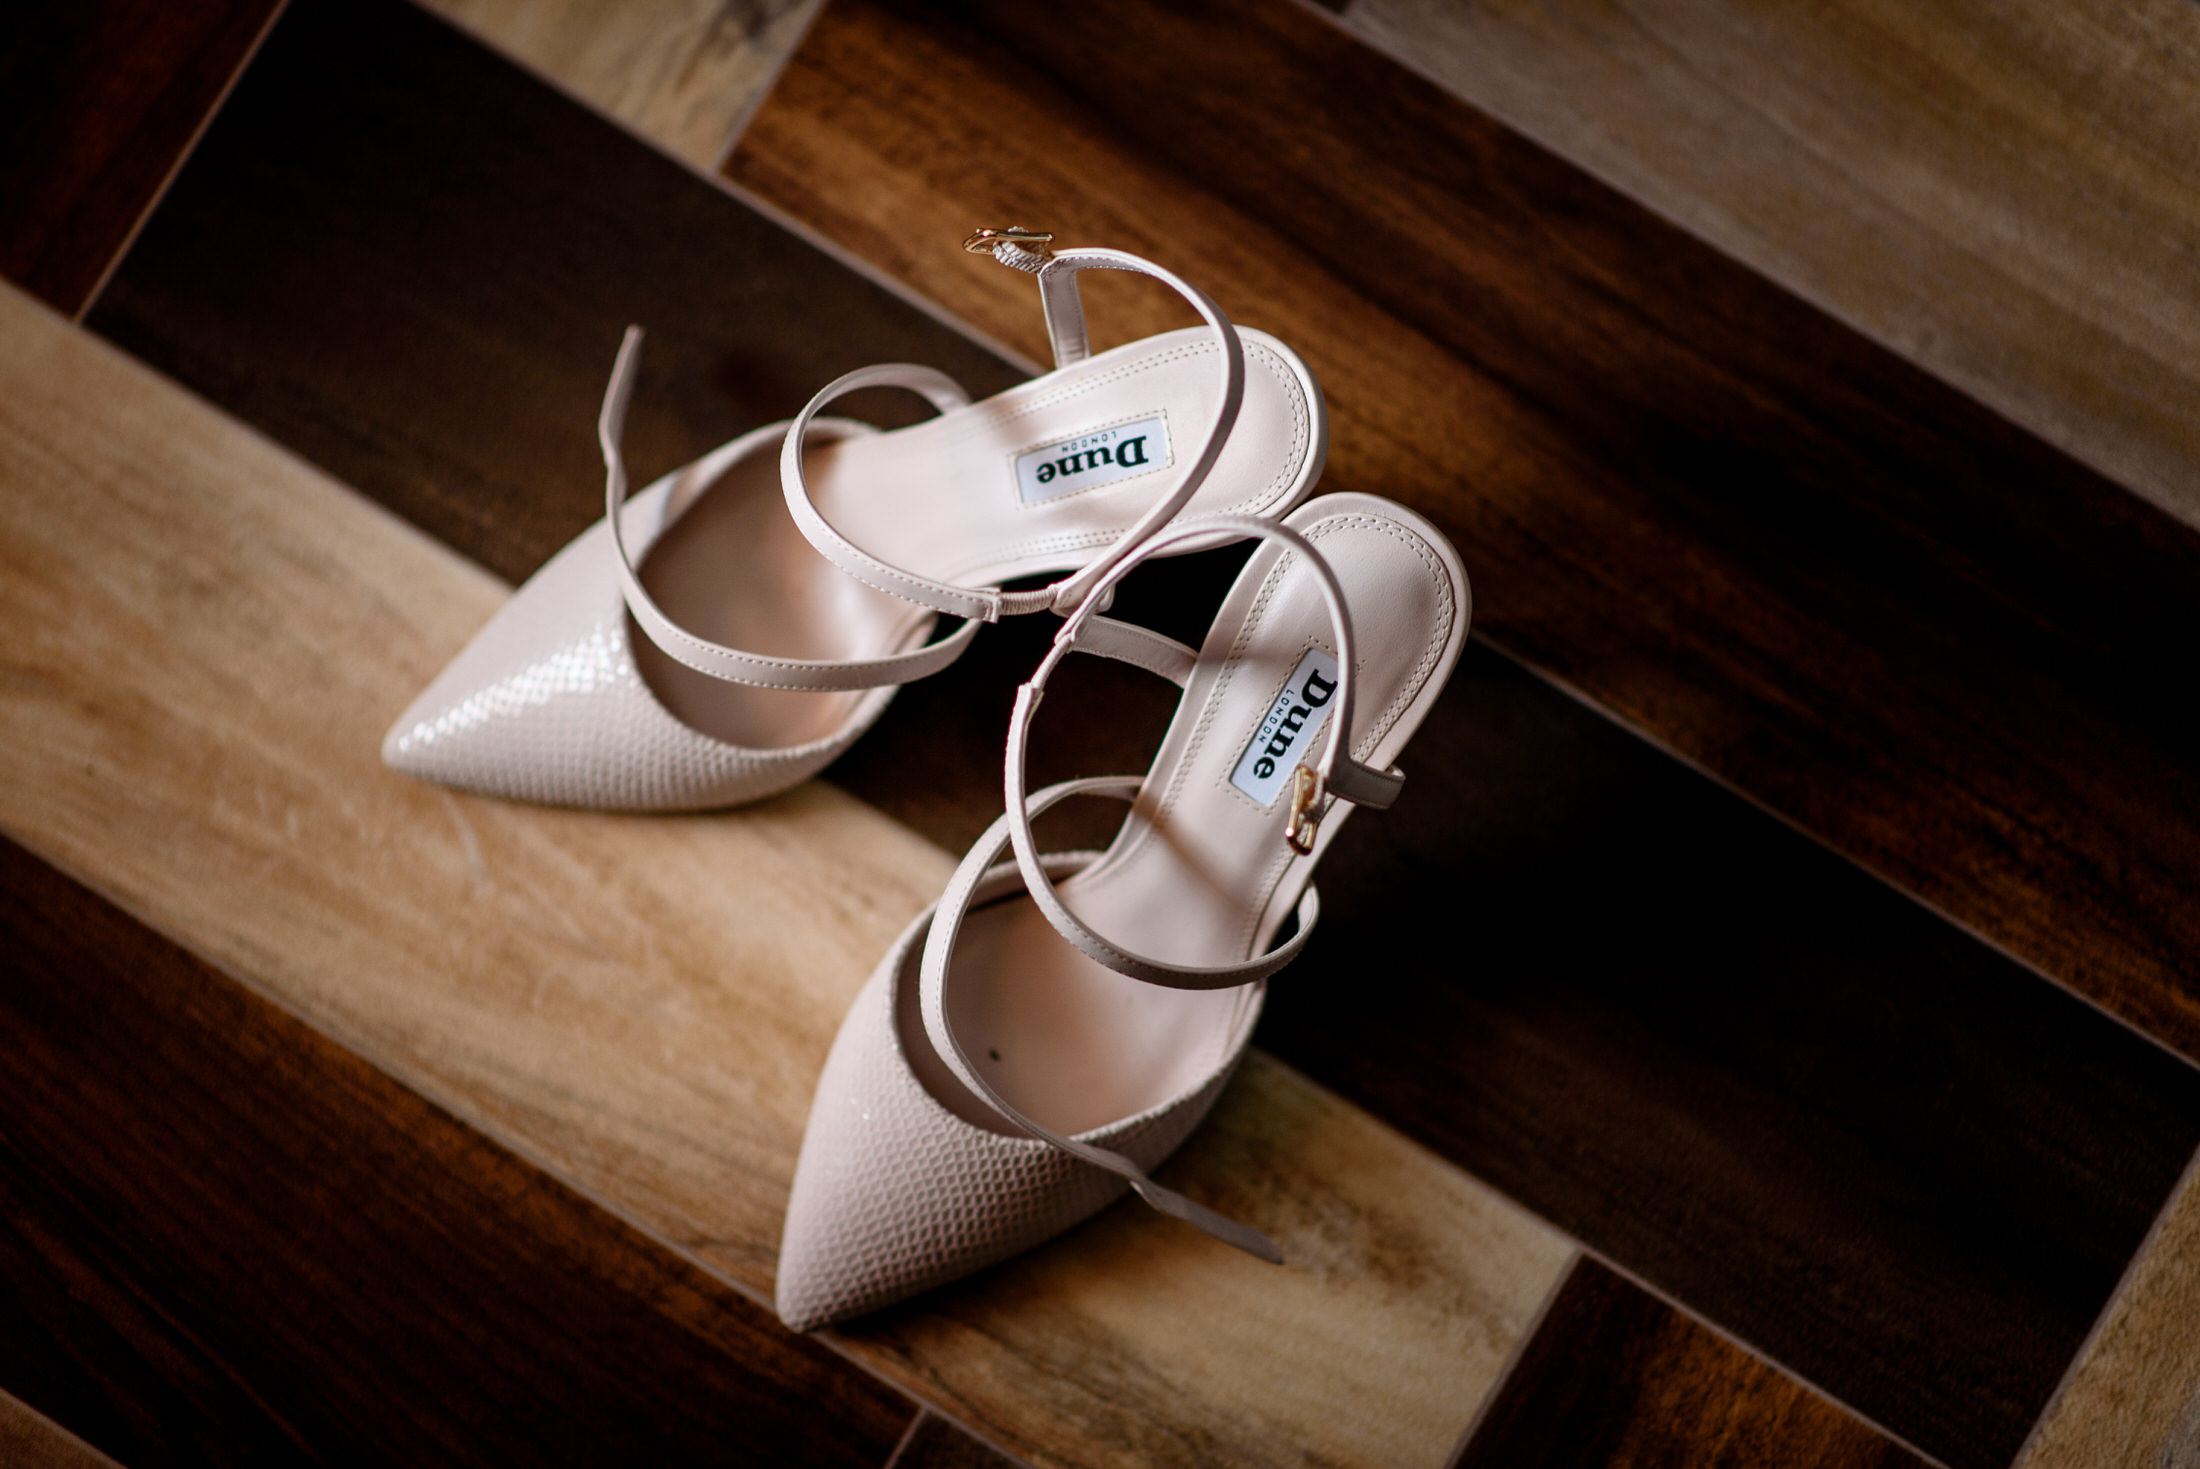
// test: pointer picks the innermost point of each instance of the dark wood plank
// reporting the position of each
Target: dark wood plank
(1829, 1121)
(935, 1443)
(228, 1240)
(1617, 1378)
(411, 261)
(98, 101)
(1904, 624)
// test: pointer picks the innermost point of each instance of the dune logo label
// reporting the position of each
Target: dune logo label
(1286, 736)
(1100, 457)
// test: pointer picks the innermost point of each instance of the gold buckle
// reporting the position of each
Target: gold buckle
(981, 242)
(1306, 794)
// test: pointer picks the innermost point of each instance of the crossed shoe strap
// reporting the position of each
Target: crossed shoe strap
(1057, 274)
(716, 659)
(947, 920)
(1334, 775)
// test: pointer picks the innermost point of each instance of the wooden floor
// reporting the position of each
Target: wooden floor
(1764, 1034)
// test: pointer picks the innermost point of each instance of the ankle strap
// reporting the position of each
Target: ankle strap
(979, 876)
(716, 659)
(1059, 295)
(1335, 775)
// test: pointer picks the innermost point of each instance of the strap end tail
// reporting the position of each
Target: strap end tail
(1200, 1217)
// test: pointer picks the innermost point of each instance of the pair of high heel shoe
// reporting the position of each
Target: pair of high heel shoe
(1038, 1041)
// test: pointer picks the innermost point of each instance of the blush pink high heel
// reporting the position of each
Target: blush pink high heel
(1035, 1044)
(730, 630)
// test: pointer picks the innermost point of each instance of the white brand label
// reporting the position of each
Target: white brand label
(1099, 458)
(1284, 738)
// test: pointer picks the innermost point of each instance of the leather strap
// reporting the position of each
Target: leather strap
(1127, 642)
(947, 920)
(942, 391)
(1343, 777)
(1058, 293)
(716, 659)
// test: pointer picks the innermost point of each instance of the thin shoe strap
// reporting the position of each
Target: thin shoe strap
(716, 659)
(1336, 775)
(947, 920)
(983, 604)
(1065, 321)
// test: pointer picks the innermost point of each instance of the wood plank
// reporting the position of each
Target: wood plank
(2002, 194)
(210, 637)
(1895, 619)
(31, 1440)
(683, 73)
(1875, 1150)
(98, 101)
(935, 1443)
(1618, 1378)
(2133, 1398)
(414, 1294)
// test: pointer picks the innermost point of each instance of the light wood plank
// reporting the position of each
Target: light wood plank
(2004, 194)
(207, 639)
(31, 1440)
(228, 1242)
(2132, 1401)
(682, 73)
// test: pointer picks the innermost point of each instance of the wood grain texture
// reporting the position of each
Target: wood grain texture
(1894, 1161)
(210, 637)
(2004, 195)
(1159, 1329)
(682, 73)
(413, 263)
(2133, 1399)
(1907, 626)
(414, 1294)
(935, 1443)
(1618, 1378)
(32, 1440)
(98, 101)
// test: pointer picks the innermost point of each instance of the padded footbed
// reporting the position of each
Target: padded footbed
(786, 601)
(941, 498)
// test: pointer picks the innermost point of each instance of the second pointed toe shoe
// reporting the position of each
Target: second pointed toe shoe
(907, 1181)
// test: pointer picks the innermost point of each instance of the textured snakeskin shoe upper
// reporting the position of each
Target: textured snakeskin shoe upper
(1056, 1037)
